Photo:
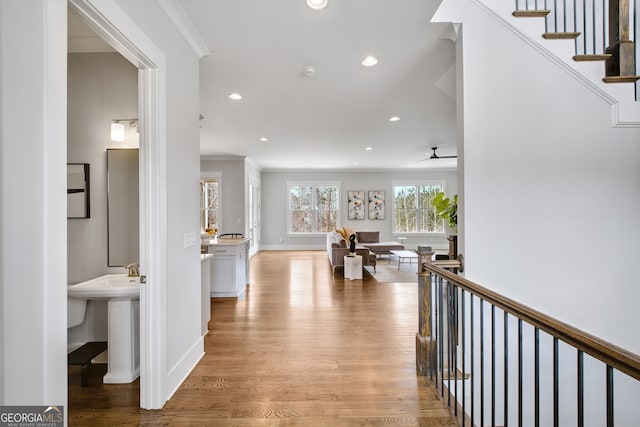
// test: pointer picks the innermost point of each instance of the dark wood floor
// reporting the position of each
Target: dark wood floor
(302, 347)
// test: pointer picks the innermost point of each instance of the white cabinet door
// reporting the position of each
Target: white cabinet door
(223, 276)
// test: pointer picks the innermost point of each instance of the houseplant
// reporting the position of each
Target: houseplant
(447, 209)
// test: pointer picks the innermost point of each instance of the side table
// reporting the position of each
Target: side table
(353, 267)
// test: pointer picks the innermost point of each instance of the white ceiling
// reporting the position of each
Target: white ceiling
(260, 48)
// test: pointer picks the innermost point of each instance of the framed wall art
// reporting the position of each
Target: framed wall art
(376, 204)
(356, 204)
(78, 204)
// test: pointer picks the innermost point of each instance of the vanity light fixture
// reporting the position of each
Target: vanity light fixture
(394, 119)
(118, 127)
(117, 132)
(235, 96)
(317, 4)
(369, 61)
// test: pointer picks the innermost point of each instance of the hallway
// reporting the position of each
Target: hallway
(301, 347)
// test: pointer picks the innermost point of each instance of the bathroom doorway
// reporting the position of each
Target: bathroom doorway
(152, 174)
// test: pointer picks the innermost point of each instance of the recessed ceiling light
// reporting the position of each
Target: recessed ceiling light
(394, 119)
(356, 164)
(235, 96)
(263, 139)
(317, 4)
(369, 61)
(368, 148)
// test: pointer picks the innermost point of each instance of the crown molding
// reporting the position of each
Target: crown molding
(173, 9)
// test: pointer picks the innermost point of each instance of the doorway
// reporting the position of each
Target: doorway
(254, 216)
(152, 176)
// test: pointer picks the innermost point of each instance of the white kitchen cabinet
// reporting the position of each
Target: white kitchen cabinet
(229, 266)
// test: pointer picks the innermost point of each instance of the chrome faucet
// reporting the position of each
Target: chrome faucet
(133, 270)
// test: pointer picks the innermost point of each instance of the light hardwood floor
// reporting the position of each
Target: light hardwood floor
(303, 347)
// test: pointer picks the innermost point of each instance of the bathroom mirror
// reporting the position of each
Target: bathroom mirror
(78, 190)
(122, 207)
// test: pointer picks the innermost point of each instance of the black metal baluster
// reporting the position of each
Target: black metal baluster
(473, 361)
(609, 396)
(454, 311)
(580, 388)
(546, 19)
(464, 357)
(555, 16)
(493, 365)
(593, 18)
(436, 332)
(441, 340)
(481, 362)
(506, 369)
(555, 383)
(537, 377)
(604, 26)
(520, 372)
(575, 24)
(564, 15)
(584, 25)
(449, 342)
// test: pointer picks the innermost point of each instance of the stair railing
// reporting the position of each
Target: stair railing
(603, 30)
(495, 361)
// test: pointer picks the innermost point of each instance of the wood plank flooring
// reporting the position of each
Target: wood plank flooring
(302, 348)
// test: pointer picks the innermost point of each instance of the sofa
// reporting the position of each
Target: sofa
(371, 240)
(338, 248)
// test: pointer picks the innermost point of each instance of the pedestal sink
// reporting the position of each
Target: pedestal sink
(123, 310)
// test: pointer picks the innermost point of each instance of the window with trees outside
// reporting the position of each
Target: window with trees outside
(209, 204)
(413, 210)
(313, 207)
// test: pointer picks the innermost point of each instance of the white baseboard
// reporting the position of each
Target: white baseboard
(293, 248)
(181, 370)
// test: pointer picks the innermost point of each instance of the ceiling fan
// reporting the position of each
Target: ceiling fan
(434, 155)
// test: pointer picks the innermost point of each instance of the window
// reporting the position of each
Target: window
(413, 210)
(209, 203)
(313, 207)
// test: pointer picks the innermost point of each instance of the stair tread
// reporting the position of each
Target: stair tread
(621, 79)
(531, 13)
(592, 57)
(561, 36)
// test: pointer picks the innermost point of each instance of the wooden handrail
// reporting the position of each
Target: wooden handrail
(614, 356)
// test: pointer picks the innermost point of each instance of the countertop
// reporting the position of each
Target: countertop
(224, 242)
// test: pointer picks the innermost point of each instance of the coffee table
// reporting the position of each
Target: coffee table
(404, 254)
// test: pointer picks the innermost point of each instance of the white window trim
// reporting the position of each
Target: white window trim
(315, 183)
(415, 183)
(217, 176)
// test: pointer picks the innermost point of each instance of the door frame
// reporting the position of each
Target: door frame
(118, 30)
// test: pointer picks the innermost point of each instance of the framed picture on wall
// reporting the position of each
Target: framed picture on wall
(78, 190)
(376, 204)
(356, 204)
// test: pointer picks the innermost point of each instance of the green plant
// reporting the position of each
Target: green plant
(447, 209)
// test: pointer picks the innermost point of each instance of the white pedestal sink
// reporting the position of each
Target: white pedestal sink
(123, 310)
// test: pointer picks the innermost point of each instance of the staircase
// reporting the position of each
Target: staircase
(602, 30)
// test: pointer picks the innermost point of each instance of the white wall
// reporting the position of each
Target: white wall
(274, 205)
(234, 201)
(180, 124)
(33, 202)
(549, 184)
